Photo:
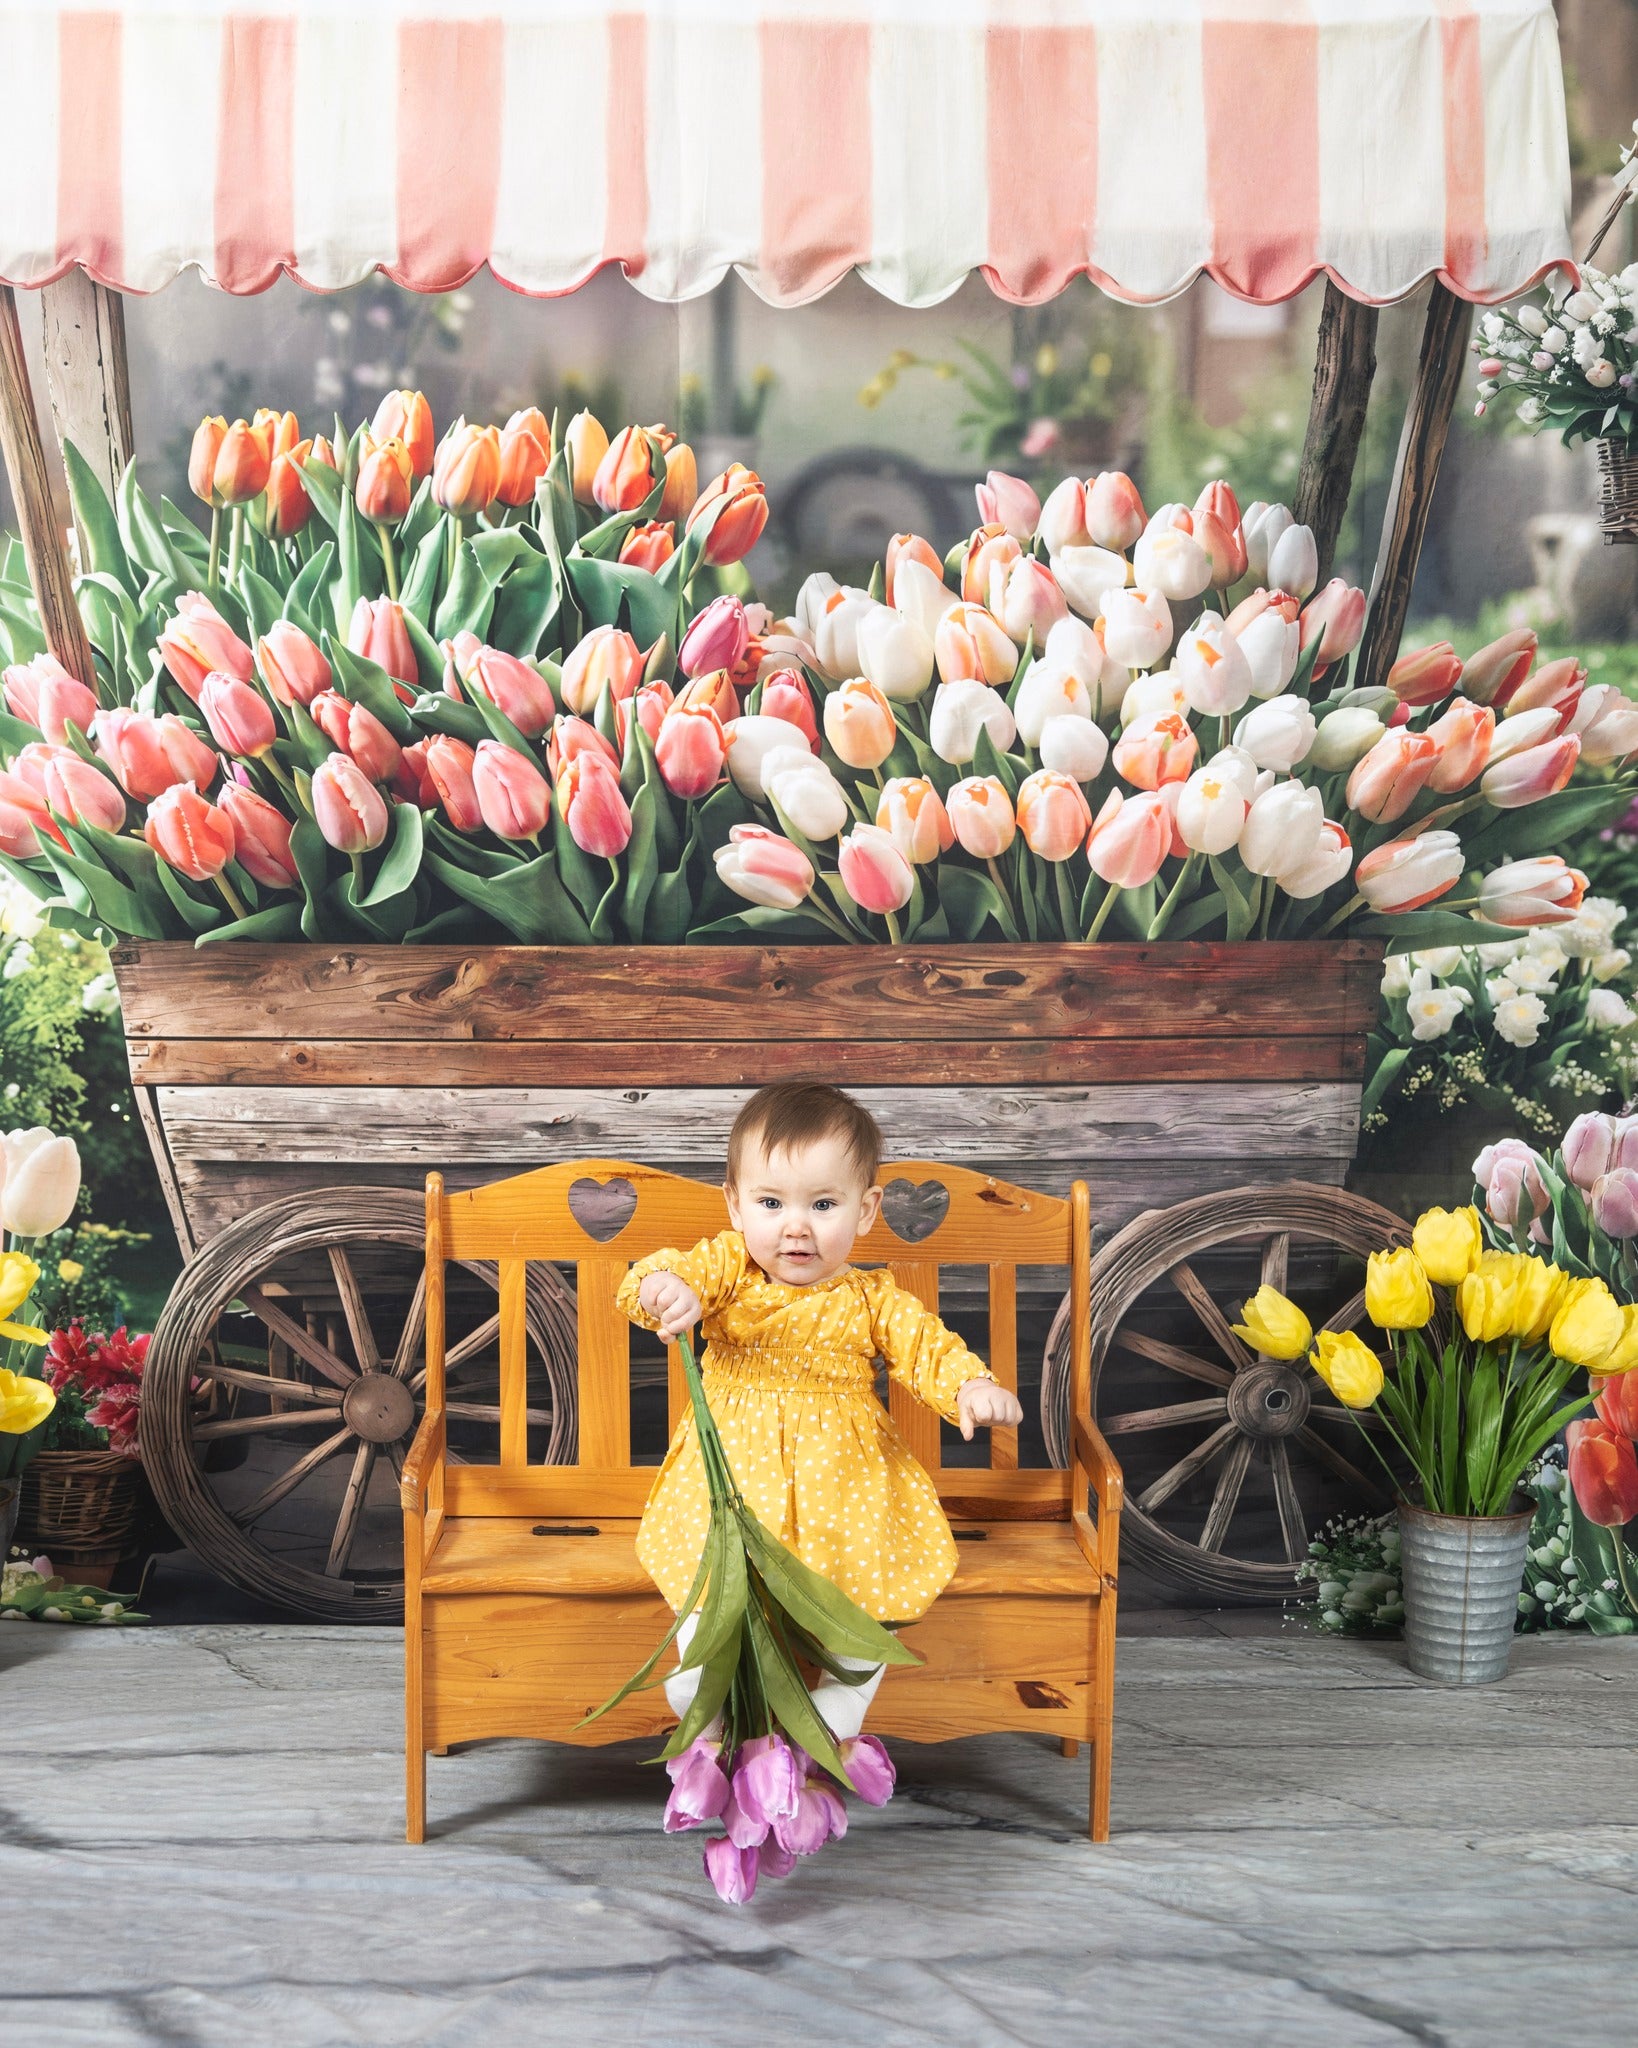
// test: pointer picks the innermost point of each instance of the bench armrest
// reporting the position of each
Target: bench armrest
(425, 1456)
(1097, 1461)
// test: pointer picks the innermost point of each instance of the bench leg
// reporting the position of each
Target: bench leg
(439, 1749)
(415, 1791)
(1070, 1747)
(415, 1756)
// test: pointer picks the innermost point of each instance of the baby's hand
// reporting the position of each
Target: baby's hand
(676, 1304)
(986, 1404)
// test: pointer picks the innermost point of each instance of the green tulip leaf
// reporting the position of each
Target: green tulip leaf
(279, 921)
(97, 523)
(401, 862)
(365, 682)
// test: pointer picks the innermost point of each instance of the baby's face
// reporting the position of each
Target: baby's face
(800, 1212)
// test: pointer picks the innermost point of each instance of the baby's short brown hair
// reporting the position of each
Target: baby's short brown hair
(793, 1114)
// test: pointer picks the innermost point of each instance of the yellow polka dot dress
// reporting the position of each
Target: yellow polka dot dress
(789, 1377)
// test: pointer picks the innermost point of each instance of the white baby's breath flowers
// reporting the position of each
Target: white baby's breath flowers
(1607, 1010)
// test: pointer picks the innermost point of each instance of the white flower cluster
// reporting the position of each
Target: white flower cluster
(1353, 1566)
(1579, 347)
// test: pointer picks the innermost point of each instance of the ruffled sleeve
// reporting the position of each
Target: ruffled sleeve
(921, 1353)
(714, 1268)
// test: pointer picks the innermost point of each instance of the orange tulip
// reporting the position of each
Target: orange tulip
(738, 526)
(912, 812)
(649, 546)
(199, 642)
(909, 547)
(1603, 1473)
(1463, 735)
(682, 483)
(405, 416)
(242, 463)
(149, 755)
(1157, 753)
(467, 471)
(281, 429)
(1386, 780)
(1053, 814)
(386, 480)
(605, 655)
(207, 445)
(449, 769)
(715, 691)
(524, 458)
(860, 725)
(1427, 675)
(628, 472)
(587, 444)
(193, 836)
(288, 506)
(990, 547)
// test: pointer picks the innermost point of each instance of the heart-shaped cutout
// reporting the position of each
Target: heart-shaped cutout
(603, 1208)
(914, 1210)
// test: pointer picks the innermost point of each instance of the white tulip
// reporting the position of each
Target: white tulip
(1234, 764)
(922, 596)
(1607, 1010)
(1601, 373)
(1262, 526)
(1282, 828)
(1344, 737)
(805, 791)
(1293, 562)
(1063, 518)
(42, 1182)
(1531, 319)
(1277, 734)
(811, 599)
(1523, 730)
(896, 655)
(836, 631)
(1328, 862)
(1048, 691)
(1150, 697)
(1580, 305)
(1554, 341)
(754, 882)
(1212, 668)
(750, 741)
(1074, 747)
(960, 711)
(1271, 645)
(1607, 723)
(1074, 647)
(1210, 812)
(1026, 599)
(1172, 562)
(1086, 574)
(1137, 627)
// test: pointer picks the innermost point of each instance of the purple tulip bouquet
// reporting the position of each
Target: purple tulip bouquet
(751, 1749)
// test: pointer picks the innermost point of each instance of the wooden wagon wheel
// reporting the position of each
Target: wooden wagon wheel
(1232, 1460)
(305, 1320)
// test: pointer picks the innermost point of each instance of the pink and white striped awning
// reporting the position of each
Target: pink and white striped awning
(1138, 141)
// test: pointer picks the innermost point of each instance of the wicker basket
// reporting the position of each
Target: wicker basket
(1618, 493)
(81, 1508)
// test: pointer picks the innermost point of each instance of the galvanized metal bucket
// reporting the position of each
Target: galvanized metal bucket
(1462, 1575)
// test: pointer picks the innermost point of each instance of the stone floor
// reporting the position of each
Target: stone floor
(200, 1844)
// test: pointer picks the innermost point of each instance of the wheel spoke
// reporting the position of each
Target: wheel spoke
(476, 1411)
(409, 1345)
(1189, 1284)
(273, 1386)
(352, 1307)
(1292, 1526)
(302, 1342)
(1173, 1357)
(352, 1502)
(288, 1481)
(1343, 1467)
(1140, 1419)
(1277, 1261)
(469, 1347)
(1225, 1499)
(1347, 1317)
(395, 1452)
(249, 1425)
(1347, 1418)
(1185, 1468)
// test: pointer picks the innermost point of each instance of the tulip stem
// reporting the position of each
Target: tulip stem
(1619, 1547)
(387, 562)
(1104, 909)
(1163, 916)
(236, 539)
(357, 860)
(1339, 917)
(826, 916)
(1006, 894)
(893, 932)
(1269, 893)
(270, 763)
(230, 897)
(215, 545)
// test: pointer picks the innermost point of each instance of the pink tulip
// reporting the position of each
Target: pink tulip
(261, 837)
(874, 872)
(767, 1780)
(1114, 511)
(1387, 780)
(1589, 1148)
(869, 1769)
(969, 643)
(1218, 528)
(699, 1788)
(1130, 839)
(356, 730)
(1406, 873)
(239, 716)
(909, 547)
(81, 793)
(516, 690)
(1463, 735)
(785, 694)
(819, 1817)
(1028, 601)
(1062, 523)
(198, 642)
(764, 867)
(912, 812)
(860, 725)
(1009, 502)
(572, 736)
(595, 811)
(1510, 1174)
(350, 810)
(21, 826)
(1336, 617)
(1555, 686)
(718, 638)
(149, 754)
(981, 815)
(1527, 777)
(449, 767)
(193, 836)
(1426, 676)
(514, 798)
(1523, 893)
(413, 784)
(713, 691)
(1161, 751)
(650, 704)
(1493, 674)
(605, 655)
(1613, 1203)
(378, 632)
(691, 751)
(42, 693)
(293, 667)
(1053, 815)
(990, 549)
(29, 765)
(733, 1871)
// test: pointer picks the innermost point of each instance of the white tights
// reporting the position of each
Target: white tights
(841, 1707)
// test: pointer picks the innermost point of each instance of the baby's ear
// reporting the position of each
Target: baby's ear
(869, 1209)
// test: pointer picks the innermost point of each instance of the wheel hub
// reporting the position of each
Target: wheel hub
(1268, 1399)
(378, 1407)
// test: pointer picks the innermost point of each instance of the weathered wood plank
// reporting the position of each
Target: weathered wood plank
(1344, 364)
(1014, 1062)
(518, 1127)
(88, 378)
(718, 994)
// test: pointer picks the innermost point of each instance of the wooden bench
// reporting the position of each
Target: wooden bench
(525, 1605)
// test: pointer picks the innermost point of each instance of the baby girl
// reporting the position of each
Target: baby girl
(792, 1334)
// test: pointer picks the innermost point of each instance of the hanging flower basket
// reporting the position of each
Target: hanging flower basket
(1618, 492)
(81, 1508)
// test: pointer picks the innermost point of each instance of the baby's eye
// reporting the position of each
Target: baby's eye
(824, 1202)
(769, 1202)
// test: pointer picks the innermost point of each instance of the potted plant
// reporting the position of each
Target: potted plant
(84, 1497)
(25, 1401)
(1482, 1347)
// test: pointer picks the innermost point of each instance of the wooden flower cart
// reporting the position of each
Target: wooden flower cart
(294, 1096)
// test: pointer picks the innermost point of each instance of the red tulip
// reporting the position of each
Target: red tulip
(572, 737)
(1555, 686)
(378, 632)
(628, 471)
(651, 703)
(148, 755)
(512, 686)
(449, 766)
(406, 417)
(239, 716)
(1617, 1399)
(358, 733)
(207, 445)
(1493, 674)
(716, 691)
(1603, 1473)
(413, 784)
(42, 693)
(350, 811)
(261, 837)
(243, 461)
(649, 546)
(785, 694)
(595, 811)
(293, 667)
(466, 474)
(744, 514)
(81, 793)
(514, 798)
(385, 482)
(691, 750)
(1427, 675)
(525, 456)
(199, 642)
(193, 836)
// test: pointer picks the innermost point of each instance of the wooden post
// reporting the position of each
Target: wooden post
(43, 545)
(1427, 422)
(87, 376)
(1344, 363)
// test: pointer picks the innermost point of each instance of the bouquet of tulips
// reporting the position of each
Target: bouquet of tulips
(500, 686)
(751, 1750)
(1482, 1347)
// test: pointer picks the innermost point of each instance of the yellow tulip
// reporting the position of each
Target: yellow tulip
(23, 1403)
(1397, 1294)
(18, 1274)
(1509, 1294)
(1539, 1289)
(1625, 1355)
(1348, 1366)
(1273, 1326)
(1448, 1243)
(1588, 1325)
